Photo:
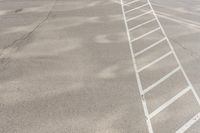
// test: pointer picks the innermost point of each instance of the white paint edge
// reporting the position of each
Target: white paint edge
(150, 129)
(190, 123)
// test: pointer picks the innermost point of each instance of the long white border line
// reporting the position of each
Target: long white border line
(165, 15)
(171, 47)
(137, 75)
(178, 20)
(150, 129)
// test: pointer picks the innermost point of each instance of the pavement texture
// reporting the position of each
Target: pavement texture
(66, 67)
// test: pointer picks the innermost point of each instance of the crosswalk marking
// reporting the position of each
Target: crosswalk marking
(142, 91)
(154, 30)
(165, 105)
(132, 2)
(161, 80)
(136, 8)
(149, 47)
(138, 16)
(149, 125)
(140, 25)
(155, 61)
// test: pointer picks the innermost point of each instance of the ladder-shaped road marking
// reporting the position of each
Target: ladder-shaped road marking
(142, 90)
(161, 80)
(129, 3)
(155, 61)
(140, 25)
(149, 47)
(154, 30)
(172, 100)
(138, 16)
(136, 8)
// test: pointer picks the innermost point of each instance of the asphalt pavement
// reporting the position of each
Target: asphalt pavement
(66, 67)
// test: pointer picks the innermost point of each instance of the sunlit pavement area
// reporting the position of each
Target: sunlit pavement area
(66, 67)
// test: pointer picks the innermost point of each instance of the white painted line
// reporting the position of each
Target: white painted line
(179, 20)
(149, 21)
(138, 16)
(179, 63)
(174, 9)
(149, 47)
(136, 8)
(191, 122)
(154, 30)
(164, 78)
(126, 4)
(172, 100)
(167, 16)
(146, 112)
(189, 23)
(155, 61)
(161, 80)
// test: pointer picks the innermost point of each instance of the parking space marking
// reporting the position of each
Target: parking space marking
(144, 104)
(143, 14)
(168, 103)
(137, 71)
(136, 8)
(161, 80)
(142, 24)
(154, 30)
(149, 47)
(132, 2)
(155, 61)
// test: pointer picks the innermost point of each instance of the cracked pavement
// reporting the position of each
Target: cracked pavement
(66, 65)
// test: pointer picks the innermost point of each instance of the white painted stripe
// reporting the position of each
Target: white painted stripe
(138, 16)
(149, 21)
(149, 47)
(135, 66)
(189, 23)
(171, 17)
(161, 80)
(136, 8)
(191, 122)
(126, 4)
(192, 24)
(183, 71)
(150, 129)
(154, 30)
(155, 61)
(172, 100)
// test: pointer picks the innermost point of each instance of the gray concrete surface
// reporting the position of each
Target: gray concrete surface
(66, 66)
